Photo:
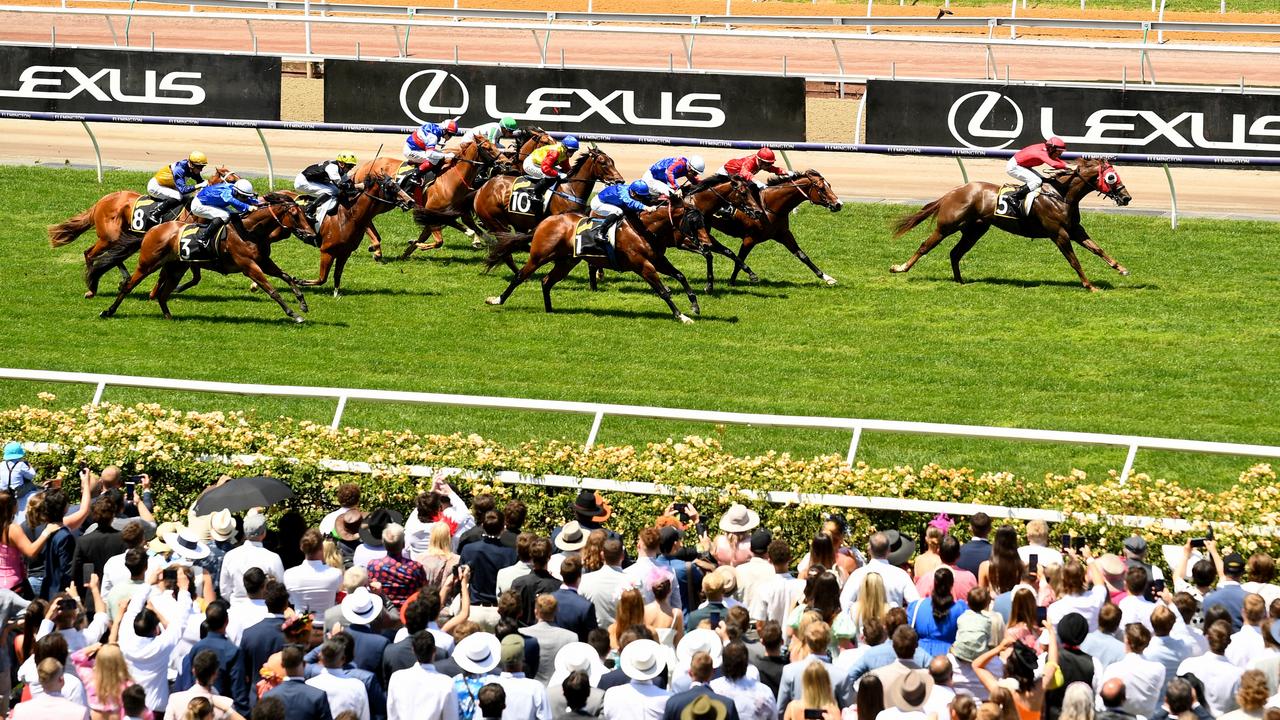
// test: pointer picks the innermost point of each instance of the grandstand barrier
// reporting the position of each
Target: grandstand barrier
(928, 151)
(598, 411)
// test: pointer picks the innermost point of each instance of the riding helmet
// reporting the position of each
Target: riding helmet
(639, 188)
(570, 142)
(765, 154)
(197, 158)
(243, 187)
(347, 158)
(697, 164)
(509, 123)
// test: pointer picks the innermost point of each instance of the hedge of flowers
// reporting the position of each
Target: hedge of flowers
(176, 448)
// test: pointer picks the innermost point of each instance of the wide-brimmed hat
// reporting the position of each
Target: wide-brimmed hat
(580, 656)
(901, 547)
(347, 526)
(909, 691)
(704, 707)
(361, 607)
(158, 544)
(478, 653)
(13, 451)
(642, 660)
(571, 537)
(700, 640)
(592, 506)
(739, 519)
(222, 525)
(185, 544)
(371, 533)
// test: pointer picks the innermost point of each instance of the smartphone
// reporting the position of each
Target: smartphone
(682, 511)
(1157, 586)
(129, 486)
(814, 713)
(1078, 542)
(1066, 541)
(715, 620)
(1208, 534)
(1197, 542)
(1033, 562)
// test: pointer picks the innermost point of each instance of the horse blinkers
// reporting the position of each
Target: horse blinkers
(1109, 184)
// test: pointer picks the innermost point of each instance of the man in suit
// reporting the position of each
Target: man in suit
(1229, 594)
(603, 586)
(700, 670)
(574, 612)
(231, 680)
(259, 642)
(301, 701)
(550, 638)
(104, 542)
(817, 637)
(977, 550)
(59, 550)
(538, 581)
(905, 642)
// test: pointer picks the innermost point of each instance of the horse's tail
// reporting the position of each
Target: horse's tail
(508, 243)
(65, 232)
(910, 221)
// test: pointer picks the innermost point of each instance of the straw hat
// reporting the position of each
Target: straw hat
(478, 653)
(739, 519)
(641, 659)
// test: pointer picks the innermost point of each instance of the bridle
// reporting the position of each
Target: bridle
(815, 182)
(594, 156)
(740, 188)
(384, 182)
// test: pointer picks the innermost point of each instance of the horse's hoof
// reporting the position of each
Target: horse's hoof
(304, 307)
(493, 301)
(89, 294)
(477, 243)
(299, 319)
(686, 319)
(697, 311)
(104, 315)
(379, 259)
(828, 279)
(754, 278)
(336, 294)
(897, 268)
(707, 289)
(1122, 270)
(1091, 288)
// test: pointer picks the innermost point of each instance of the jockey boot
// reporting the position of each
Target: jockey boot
(1017, 197)
(163, 207)
(609, 222)
(198, 247)
(241, 230)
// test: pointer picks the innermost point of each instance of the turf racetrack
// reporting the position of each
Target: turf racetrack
(1184, 347)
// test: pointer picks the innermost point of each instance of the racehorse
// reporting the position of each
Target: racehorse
(535, 137)
(553, 241)
(279, 217)
(781, 195)
(340, 234)
(117, 240)
(971, 209)
(571, 195)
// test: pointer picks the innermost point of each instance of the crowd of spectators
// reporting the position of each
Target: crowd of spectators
(458, 610)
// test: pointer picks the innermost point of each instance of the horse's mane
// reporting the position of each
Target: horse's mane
(578, 163)
(709, 181)
(277, 197)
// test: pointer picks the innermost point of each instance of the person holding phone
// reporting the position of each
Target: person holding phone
(817, 698)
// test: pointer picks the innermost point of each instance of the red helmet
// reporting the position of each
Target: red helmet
(1056, 142)
(451, 126)
(765, 154)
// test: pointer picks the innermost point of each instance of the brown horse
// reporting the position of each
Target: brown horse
(553, 241)
(279, 217)
(781, 195)
(117, 240)
(571, 195)
(341, 233)
(971, 209)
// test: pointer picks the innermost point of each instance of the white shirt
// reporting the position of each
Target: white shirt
(1246, 646)
(366, 554)
(1169, 652)
(45, 705)
(602, 588)
(76, 638)
(1088, 604)
(752, 698)
(244, 614)
(1136, 609)
(167, 605)
(330, 521)
(313, 586)
(771, 599)
(1044, 555)
(148, 657)
(179, 701)
(115, 573)
(421, 692)
(637, 700)
(510, 574)
(638, 575)
(1143, 681)
(1221, 680)
(899, 588)
(343, 693)
(1268, 591)
(526, 698)
(939, 701)
(72, 688)
(238, 560)
(417, 533)
(751, 575)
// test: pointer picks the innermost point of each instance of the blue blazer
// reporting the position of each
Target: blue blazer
(59, 558)
(301, 701)
(574, 613)
(257, 644)
(369, 647)
(231, 679)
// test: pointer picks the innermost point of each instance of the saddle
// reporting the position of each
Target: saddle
(524, 198)
(195, 245)
(1009, 206)
(143, 217)
(412, 181)
(588, 242)
(306, 202)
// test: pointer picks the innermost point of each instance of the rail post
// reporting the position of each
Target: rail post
(127, 21)
(271, 169)
(97, 151)
(337, 414)
(97, 393)
(857, 121)
(1128, 464)
(964, 173)
(1173, 198)
(595, 429)
(853, 445)
(1160, 32)
(306, 23)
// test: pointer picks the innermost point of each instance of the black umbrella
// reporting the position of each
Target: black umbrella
(240, 494)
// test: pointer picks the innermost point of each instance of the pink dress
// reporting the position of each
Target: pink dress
(84, 668)
(13, 568)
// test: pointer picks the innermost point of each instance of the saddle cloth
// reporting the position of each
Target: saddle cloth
(587, 241)
(307, 202)
(142, 216)
(192, 246)
(524, 200)
(1006, 207)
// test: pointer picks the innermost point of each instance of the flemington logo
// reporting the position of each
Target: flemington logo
(971, 122)
(432, 94)
(61, 82)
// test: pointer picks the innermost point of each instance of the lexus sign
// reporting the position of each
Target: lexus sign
(124, 82)
(1094, 120)
(727, 107)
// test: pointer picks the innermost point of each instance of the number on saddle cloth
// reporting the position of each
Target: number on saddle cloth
(193, 246)
(140, 214)
(524, 198)
(1006, 205)
(587, 241)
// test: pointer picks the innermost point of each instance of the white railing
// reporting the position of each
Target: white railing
(598, 411)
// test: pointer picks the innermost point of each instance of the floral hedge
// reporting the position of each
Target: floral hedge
(173, 446)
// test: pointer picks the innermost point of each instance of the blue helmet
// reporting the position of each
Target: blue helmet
(570, 142)
(639, 188)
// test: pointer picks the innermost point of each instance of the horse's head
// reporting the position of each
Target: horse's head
(689, 225)
(531, 138)
(1107, 181)
(385, 188)
(743, 196)
(821, 193)
(602, 167)
(482, 150)
(288, 214)
(223, 174)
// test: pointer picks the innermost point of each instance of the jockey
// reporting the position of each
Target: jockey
(422, 145)
(173, 183)
(220, 204)
(325, 180)
(747, 167)
(665, 175)
(617, 201)
(1022, 166)
(548, 163)
(493, 131)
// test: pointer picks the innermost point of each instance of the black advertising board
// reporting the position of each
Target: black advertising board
(724, 107)
(126, 82)
(990, 116)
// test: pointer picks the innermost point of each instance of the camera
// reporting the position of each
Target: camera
(682, 511)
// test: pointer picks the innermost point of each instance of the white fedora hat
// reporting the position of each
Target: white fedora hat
(222, 525)
(642, 660)
(739, 518)
(185, 544)
(478, 653)
(700, 640)
(577, 656)
(361, 607)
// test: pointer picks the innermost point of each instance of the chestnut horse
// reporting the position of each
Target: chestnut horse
(342, 233)
(278, 217)
(552, 241)
(117, 240)
(971, 209)
(571, 195)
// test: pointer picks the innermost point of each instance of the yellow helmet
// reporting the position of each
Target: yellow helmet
(347, 158)
(197, 158)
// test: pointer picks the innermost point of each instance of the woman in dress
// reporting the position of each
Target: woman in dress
(1005, 568)
(665, 620)
(439, 560)
(935, 617)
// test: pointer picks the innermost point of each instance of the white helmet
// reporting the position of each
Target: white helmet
(697, 164)
(244, 187)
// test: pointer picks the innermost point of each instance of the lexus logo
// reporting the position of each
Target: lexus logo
(428, 94)
(989, 125)
(107, 85)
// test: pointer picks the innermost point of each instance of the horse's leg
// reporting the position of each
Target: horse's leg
(650, 273)
(170, 274)
(969, 236)
(254, 272)
(270, 267)
(558, 272)
(375, 242)
(788, 241)
(339, 264)
(929, 243)
(437, 233)
(524, 273)
(664, 266)
(1081, 236)
(594, 276)
(195, 280)
(748, 243)
(1063, 241)
(145, 267)
(326, 260)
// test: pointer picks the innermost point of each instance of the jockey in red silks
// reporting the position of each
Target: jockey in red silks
(1022, 166)
(747, 167)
